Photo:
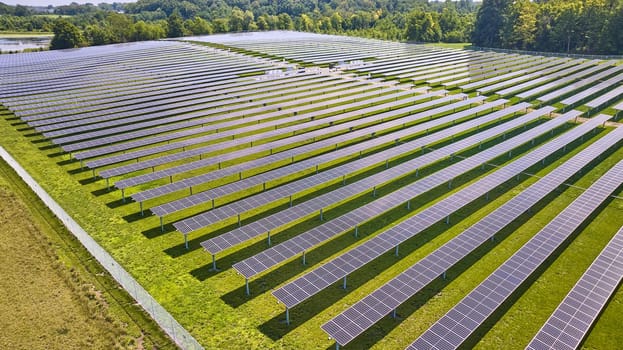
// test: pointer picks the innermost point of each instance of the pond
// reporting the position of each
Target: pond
(23, 42)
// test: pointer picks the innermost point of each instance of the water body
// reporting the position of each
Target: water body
(22, 43)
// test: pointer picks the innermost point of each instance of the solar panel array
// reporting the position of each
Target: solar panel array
(572, 319)
(299, 290)
(369, 310)
(180, 127)
(459, 323)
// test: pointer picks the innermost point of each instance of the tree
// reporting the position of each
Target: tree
(520, 28)
(421, 26)
(66, 35)
(489, 23)
(176, 25)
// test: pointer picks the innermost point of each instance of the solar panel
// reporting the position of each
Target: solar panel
(311, 283)
(582, 83)
(340, 171)
(216, 91)
(398, 290)
(546, 78)
(572, 319)
(588, 92)
(262, 122)
(266, 147)
(305, 241)
(152, 117)
(455, 326)
(241, 206)
(562, 81)
(607, 97)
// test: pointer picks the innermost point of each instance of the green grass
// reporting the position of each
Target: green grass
(214, 308)
(458, 46)
(24, 34)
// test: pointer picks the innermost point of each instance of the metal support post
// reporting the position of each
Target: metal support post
(304, 258)
(396, 252)
(448, 220)
(287, 316)
(344, 283)
(444, 275)
(268, 235)
(186, 240)
(246, 286)
(161, 224)
(321, 215)
(409, 204)
(356, 231)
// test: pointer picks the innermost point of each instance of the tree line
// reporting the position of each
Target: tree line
(570, 26)
(574, 26)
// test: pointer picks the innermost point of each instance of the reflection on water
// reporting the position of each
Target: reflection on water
(22, 43)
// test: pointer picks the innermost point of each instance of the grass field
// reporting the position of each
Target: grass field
(18, 35)
(54, 296)
(212, 305)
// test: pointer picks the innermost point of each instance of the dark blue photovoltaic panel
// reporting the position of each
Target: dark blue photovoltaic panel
(358, 215)
(328, 175)
(254, 202)
(459, 323)
(572, 319)
(308, 240)
(388, 297)
(358, 131)
(300, 289)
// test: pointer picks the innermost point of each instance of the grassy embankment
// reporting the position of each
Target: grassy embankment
(54, 295)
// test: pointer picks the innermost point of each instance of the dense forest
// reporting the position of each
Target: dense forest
(574, 26)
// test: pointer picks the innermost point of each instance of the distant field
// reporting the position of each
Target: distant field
(24, 34)
(54, 296)
(459, 46)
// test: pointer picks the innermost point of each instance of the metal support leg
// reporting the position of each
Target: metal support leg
(268, 235)
(190, 189)
(161, 224)
(394, 314)
(374, 192)
(246, 286)
(409, 204)
(356, 231)
(108, 184)
(417, 172)
(343, 180)
(444, 275)
(141, 204)
(239, 220)
(487, 196)
(290, 201)
(304, 258)
(287, 316)
(344, 283)
(448, 220)
(396, 252)
(386, 163)
(214, 268)
(321, 215)
(493, 238)
(186, 241)
(450, 184)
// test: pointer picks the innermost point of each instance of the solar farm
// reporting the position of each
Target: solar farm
(304, 191)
